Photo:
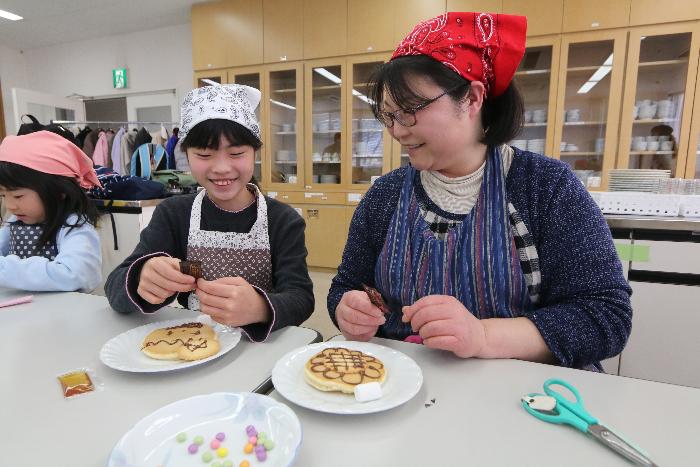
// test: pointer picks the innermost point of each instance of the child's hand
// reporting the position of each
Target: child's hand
(357, 318)
(161, 278)
(232, 301)
(444, 323)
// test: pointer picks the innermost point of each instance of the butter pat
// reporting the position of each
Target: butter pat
(368, 392)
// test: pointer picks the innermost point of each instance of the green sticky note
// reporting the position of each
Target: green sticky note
(640, 253)
(624, 251)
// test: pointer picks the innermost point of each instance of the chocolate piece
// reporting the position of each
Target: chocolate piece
(376, 298)
(191, 268)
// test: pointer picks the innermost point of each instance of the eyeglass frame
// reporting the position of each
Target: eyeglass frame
(391, 116)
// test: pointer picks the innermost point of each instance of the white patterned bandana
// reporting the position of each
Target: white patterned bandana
(234, 102)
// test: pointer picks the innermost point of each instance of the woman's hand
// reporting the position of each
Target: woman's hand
(444, 323)
(357, 318)
(161, 278)
(232, 301)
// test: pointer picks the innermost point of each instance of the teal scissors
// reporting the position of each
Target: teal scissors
(554, 407)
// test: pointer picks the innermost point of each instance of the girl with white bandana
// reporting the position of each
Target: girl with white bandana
(251, 247)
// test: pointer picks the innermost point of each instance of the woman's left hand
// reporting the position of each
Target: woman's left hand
(232, 301)
(444, 323)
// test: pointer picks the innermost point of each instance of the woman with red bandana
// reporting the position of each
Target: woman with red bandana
(477, 247)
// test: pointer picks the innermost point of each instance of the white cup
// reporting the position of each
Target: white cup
(316, 157)
(652, 138)
(291, 179)
(571, 147)
(639, 145)
(573, 115)
(652, 145)
(667, 145)
(361, 147)
(528, 116)
(286, 127)
(539, 116)
(664, 108)
(599, 144)
(562, 146)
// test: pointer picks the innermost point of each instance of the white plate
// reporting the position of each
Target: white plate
(123, 352)
(152, 441)
(404, 379)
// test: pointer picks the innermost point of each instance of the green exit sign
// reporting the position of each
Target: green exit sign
(119, 78)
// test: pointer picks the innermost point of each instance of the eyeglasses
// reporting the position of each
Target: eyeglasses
(407, 117)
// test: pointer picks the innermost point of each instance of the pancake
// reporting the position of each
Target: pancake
(341, 369)
(189, 341)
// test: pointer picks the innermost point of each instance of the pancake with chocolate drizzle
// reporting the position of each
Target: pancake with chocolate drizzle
(341, 369)
(189, 341)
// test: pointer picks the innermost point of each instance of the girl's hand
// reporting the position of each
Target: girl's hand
(444, 323)
(357, 318)
(232, 301)
(161, 278)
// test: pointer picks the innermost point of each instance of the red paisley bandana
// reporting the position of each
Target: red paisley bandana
(484, 47)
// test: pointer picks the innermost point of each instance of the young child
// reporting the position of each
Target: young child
(251, 247)
(49, 241)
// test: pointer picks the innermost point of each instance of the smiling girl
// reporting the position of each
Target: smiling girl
(251, 247)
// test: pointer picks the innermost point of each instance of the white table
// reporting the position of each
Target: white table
(60, 332)
(477, 419)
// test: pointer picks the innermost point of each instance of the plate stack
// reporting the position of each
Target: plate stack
(645, 180)
(535, 145)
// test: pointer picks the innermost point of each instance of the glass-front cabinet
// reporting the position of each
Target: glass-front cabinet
(693, 159)
(370, 143)
(284, 118)
(538, 88)
(660, 82)
(589, 97)
(324, 122)
(217, 76)
(251, 77)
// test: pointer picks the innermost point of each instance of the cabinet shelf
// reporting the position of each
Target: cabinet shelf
(284, 91)
(655, 120)
(372, 156)
(532, 72)
(286, 133)
(580, 69)
(326, 132)
(584, 123)
(326, 87)
(535, 124)
(368, 130)
(648, 153)
(286, 162)
(326, 162)
(663, 63)
(580, 153)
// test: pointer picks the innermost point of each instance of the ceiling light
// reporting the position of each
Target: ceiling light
(10, 16)
(362, 97)
(328, 75)
(282, 104)
(597, 76)
(587, 86)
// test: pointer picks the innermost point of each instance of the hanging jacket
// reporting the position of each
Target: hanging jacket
(148, 158)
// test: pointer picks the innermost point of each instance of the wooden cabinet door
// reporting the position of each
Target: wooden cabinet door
(244, 41)
(587, 15)
(662, 63)
(408, 13)
(325, 28)
(284, 30)
(326, 234)
(217, 76)
(543, 16)
(655, 12)
(370, 26)
(210, 24)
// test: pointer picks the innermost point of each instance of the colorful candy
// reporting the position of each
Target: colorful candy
(248, 448)
(217, 464)
(251, 431)
(207, 457)
(253, 440)
(260, 453)
(192, 448)
(181, 437)
(268, 444)
(198, 440)
(227, 463)
(244, 464)
(220, 436)
(222, 452)
(215, 443)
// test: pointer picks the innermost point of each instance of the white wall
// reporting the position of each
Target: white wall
(12, 75)
(155, 60)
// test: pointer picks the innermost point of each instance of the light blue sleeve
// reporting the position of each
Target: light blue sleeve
(4, 239)
(77, 267)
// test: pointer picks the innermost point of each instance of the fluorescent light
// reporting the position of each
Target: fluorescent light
(587, 86)
(597, 76)
(328, 75)
(362, 97)
(10, 16)
(282, 104)
(600, 73)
